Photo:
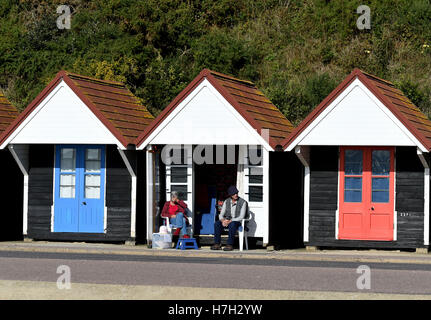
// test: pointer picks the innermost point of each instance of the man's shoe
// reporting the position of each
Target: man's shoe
(228, 248)
(216, 246)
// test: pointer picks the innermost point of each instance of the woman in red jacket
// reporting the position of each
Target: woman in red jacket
(175, 210)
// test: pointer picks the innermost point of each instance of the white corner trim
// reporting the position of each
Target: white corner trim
(24, 169)
(265, 154)
(303, 154)
(206, 84)
(339, 99)
(426, 195)
(395, 220)
(149, 192)
(337, 212)
(133, 195)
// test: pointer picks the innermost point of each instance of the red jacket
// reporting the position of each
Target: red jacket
(182, 206)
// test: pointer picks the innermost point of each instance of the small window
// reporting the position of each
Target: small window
(352, 189)
(255, 173)
(178, 174)
(182, 191)
(353, 162)
(92, 173)
(255, 155)
(67, 173)
(380, 190)
(255, 193)
(381, 162)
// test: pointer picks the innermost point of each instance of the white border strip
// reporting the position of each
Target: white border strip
(134, 187)
(24, 169)
(303, 154)
(426, 196)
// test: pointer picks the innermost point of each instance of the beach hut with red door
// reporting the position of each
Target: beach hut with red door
(365, 151)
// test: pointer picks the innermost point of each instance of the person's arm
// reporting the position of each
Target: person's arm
(222, 212)
(241, 213)
(165, 211)
(182, 204)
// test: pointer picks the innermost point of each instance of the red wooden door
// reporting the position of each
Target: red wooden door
(366, 195)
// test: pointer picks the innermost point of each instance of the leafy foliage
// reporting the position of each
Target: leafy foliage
(295, 51)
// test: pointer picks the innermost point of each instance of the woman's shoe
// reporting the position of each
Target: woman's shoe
(228, 248)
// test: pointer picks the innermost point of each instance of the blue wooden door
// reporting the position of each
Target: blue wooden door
(79, 189)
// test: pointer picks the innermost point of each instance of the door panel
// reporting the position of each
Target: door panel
(91, 206)
(66, 200)
(366, 207)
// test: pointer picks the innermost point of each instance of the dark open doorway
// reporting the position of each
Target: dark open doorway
(211, 184)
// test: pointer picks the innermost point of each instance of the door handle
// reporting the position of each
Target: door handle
(372, 208)
(84, 203)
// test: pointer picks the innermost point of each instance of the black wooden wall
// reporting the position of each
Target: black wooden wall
(118, 197)
(285, 200)
(11, 197)
(323, 200)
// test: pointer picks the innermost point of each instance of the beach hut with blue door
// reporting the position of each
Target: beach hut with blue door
(11, 196)
(221, 131)
(74, 143)
(365, 150)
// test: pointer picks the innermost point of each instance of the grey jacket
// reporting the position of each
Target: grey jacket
(235, 211)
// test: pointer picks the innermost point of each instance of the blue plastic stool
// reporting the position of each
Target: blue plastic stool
(188, 243)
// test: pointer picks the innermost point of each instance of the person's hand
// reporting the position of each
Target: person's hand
(226, 222)
(174, 216)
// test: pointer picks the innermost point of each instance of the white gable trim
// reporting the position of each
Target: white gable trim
(413, 141)
(90, 131)
(255, 137)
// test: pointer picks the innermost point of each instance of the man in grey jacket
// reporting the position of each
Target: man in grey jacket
(234, 209)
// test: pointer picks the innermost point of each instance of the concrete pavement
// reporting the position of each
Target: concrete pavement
(38, 290)
(360, 256)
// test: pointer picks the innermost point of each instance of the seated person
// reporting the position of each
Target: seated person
(175, 210)
(232, 212)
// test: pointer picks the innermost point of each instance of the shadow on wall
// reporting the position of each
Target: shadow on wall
(285, 200)
(11, 198)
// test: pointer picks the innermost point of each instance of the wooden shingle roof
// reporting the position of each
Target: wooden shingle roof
(112, 103)
(117, 104)
(244, 96)
(404, 110)
(8, 113)
(414, 118)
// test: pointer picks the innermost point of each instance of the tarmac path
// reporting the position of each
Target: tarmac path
(33, 275)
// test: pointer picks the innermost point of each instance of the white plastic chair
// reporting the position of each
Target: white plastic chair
(168, 224)
(242, 232)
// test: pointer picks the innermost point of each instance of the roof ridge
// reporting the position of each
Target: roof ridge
(110, 82)
(357, 70)
(215, 73)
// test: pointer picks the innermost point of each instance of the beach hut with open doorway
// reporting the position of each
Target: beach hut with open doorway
(74, 144)
(222, 131)
(11, 196)
(365, 150)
